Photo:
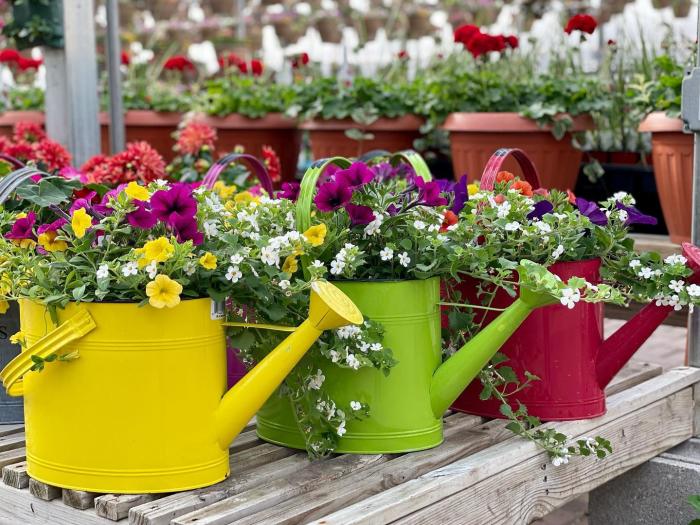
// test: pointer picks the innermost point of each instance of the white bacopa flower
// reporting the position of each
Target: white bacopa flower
(557, 252)
(693, 290)
(675, 259)
(512, 226)
(270, 255)
(503, 210)
(635, 263)
(341, 429)
(373, 227)
(364, 347)
(162, 183)
(233, 274)
(335, 356)
(355, 405)
(623, 215)
(645, 273)
(189, 268)
(543, 227)
(376, 347)
(337, 267)
(102, 271)
(386, 254)
(404, 259)
(419, 225)
(284, 284)
(210, 228)
(236, 259)
(130, 268)
(569, 297)
(317, 264)
(346, 332)
(316, 380)
(152, 270)
(676, 286)
(352, 361)
(619, 195)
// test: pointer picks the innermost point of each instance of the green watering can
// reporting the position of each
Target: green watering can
(406, 407)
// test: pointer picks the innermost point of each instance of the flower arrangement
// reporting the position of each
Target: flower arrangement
(30, 144)
(22, 94)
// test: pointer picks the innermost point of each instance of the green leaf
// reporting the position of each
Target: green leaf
(694, 500)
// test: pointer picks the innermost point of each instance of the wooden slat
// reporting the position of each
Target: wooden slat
(6, 430)
(259, 455)
(15, 475)
(632, 374)
(419, 493)
(534, 487)
(245, 440)
(19, 507)
(43, 491)
(79, 499)
(8, 442)
(116, 506)
(15, 455)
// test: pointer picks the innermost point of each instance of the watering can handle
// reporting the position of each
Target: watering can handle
(74, 328)
(257, 167)
(14, 180)
(495, 163)
(414, 159)
(16, 164)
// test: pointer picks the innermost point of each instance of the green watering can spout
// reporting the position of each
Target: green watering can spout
(453, 376)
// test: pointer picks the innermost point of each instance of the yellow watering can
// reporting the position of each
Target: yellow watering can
(141, 409)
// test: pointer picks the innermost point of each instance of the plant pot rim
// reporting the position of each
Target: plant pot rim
(146, 117)
(402, 123)
(14, 116)
(658, 122)
(507, 121)
(237, 121)
(381, 281)
(125, 303)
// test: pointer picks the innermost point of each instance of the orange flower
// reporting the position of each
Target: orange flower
(499, 199)
(449, 220)
(504, 176)
(523, 187)
(571, 196)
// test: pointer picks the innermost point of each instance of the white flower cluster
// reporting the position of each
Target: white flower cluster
(316, 380)
(354, 345)
(345, 257)
(270, 254)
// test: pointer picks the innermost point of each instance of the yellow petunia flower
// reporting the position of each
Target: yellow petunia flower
(136, 192)
(246, 197)
(4, 306)
(316, 234)
(25, 244)
(472, 188)
(290, 264)
(163, 291)
(20, 215)
(208, 261)
(158, 250)
(80, 222)
(224, 191)
(48, 242)
(17, 338)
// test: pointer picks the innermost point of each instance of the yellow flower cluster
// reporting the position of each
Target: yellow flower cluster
(157, 250)
(163, 291)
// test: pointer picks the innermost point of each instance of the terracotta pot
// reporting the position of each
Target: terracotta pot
(329, 29)
(154, 127)
(672, 151)
(274, 130)
(475, 136)
(328, 137)
(10, 118)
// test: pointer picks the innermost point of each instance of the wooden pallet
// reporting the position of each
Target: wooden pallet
(480, 474)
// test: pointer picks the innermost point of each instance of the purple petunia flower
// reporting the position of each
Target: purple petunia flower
(541, 208)
(289, 191)
(328, 175)
(141, 217)
(461, 195)
(51, 226)
(173, 205)
(592, 211)
(185, 229)
(384, 171)
(634, 216)
(332, 196)
(22, 228)
(359, 215)
(358, 174)
(429, 192)
(392, 209)
(103, 208)
(83, 202)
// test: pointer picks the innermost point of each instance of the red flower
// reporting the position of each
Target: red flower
(27, 132)
(52, 155)
(232, 59)
(25, 64)
(9, 55)
(5, 143)
(96, 163)
(194, 137)
(272, 163)
(20, 150)
(138, 162)
(504, 176)
(300, 60)
(481, 43)
(581, 22)
(499, 199)
(179, 63)
(612, 42)
(402, 55)
(523, 187)
(512, 41)
(125, 58)
(256, 68)
(449, 220)
(464, 33)
(570, 196)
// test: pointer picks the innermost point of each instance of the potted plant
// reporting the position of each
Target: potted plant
(21, 100)
(352, 117)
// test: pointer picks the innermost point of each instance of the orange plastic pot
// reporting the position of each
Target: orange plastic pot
(475, 136)
(672, 151)
(154, 127)
(328, 138)
(10, 118)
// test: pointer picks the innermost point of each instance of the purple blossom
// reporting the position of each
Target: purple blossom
(384, 171)
(634, 216)
(461, 195)
(429, 192)
(392, 209)
(358, 174)
(332, 196)
(22, 228)
(185, 229)
(328, 175)
(359, 215)
(103, 208)
(52, 226)
(83, 202)
(174, 205)
(69, 172)
(290, 191)
(541, 208)
(592, 211)
(141, 217)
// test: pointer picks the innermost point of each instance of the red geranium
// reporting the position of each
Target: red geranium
(195, 136)
(138, 162)
(464, 33)
(51, 154)
(26, 64)
(272, 163)
(300, 60)
(582, 22)
(255, 68)
(504, 176)
(125, 59)
(481, 43)
(27, 132)
(231, 59)
(9, 55)
(402, 55)
(512, 41)
(179, 63)
(523, 187)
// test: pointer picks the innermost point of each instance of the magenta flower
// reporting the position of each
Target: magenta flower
(332, 196)
(141, 217)
(83, 202)
(51, 226)
(290, 191)
(429, 192)
(592, 211)
(328, 175)
(359, 215)
(173, 205)
(185, 229)
(358, 174)
(23, 228)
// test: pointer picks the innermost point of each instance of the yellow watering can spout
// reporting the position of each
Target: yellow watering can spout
(329, 308)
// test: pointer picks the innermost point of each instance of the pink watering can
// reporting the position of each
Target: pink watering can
(564, 347)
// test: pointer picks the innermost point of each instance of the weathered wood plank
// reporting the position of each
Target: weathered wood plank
(15, 475)
(696, 410)
(15, 455)
(418, 493)
(10, 441)
(632, 374)
(245, 440)
(534, 488)
(79, 499)
(43, 491)
(116, 506)
(259, 455)
(18, 507)
(6, 430)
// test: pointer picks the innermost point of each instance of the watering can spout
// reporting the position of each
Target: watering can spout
(621, 346)
(453, 376)
(329, 308)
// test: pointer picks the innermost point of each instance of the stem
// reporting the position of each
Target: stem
(460, 305)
